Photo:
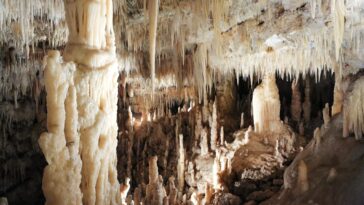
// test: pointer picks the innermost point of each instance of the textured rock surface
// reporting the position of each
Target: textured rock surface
(80, 145)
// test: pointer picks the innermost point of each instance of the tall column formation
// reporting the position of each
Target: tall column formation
(266, 105)
(80, 145)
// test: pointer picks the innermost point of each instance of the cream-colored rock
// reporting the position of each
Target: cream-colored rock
(153, 20)
(181, 164)
(80, 145)
(222, 136)
(203, 143)
(353, 109)
(242, 120)
(266, 105)
(124, 189)
(338, 98)
(213, 127)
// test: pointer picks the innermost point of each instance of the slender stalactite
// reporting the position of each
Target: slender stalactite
(153, 21)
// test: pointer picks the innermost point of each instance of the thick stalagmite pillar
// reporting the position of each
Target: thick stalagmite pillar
(266, 105)
(80, 145)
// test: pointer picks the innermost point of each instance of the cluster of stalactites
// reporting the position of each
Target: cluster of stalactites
(18, 20)
(19, 78)
(90, 23)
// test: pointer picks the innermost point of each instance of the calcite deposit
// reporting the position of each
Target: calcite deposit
(180, 102)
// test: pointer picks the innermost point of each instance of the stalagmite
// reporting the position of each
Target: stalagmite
(317, 138)
(124, 189)
(307, 102)
(172, 193)
(242, 120)
(213, 127)
(80, 145)
(208, 194)
(137, 196)
(3, 201)
(222, 138)
(302, 179)
(153, 21)
(131, 118)
(301, 129)
(338, 98)
(266, 105)
(198, 128)
(216, 168)
(326, 114)
(203, 143)
(296, 107)
(130, 153)
(181, 164)
(155, 192)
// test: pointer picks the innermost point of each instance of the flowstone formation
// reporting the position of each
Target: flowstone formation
(80, 145)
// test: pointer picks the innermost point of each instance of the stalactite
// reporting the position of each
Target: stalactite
(201, 77)
(313, 8)
(338, 11)
(296, 107)
(153, 21)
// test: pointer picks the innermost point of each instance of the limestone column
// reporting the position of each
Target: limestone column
(80, 145)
